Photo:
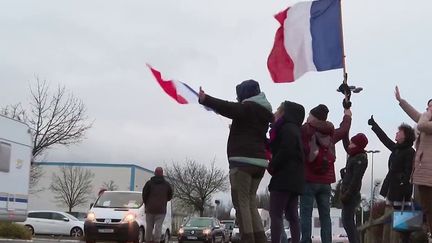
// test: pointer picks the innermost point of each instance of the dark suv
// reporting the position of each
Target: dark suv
(201, 229)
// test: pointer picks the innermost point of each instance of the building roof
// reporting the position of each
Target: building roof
(94, 164)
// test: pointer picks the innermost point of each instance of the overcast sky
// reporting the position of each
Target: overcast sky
(98, 50)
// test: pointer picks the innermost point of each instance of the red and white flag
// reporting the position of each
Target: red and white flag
(179, 91)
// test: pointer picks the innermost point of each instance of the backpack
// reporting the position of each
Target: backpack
(321, 154)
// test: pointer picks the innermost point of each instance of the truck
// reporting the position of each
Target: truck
(15, 164)
(120, 216)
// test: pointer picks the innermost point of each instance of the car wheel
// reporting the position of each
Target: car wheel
(141, 234)
(30, 229)
(166, 237)
(76, 232)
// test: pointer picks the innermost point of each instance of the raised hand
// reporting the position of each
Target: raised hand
(201, 95)
(371, 121)
(397, 94)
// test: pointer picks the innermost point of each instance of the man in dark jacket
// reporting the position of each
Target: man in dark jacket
(246, 151)
(318, 184)
(352, 176)
(287, 166)
(156, 194)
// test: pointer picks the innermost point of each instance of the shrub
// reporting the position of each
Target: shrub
(14, 231)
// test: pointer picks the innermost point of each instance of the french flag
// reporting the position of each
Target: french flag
(179, 91)
(309, 39)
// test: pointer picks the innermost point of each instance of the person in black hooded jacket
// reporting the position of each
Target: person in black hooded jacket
(396, 187)
(287, 169)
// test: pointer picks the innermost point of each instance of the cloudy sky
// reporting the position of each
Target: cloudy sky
(98, 50)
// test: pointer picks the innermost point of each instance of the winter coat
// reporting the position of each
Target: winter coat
(422, 171)
(156, 193)
(396, 185)
(324, 128)
(352, 176)
(250, 122)
(287, 161)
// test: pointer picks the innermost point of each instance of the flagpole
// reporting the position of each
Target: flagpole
(345, 74)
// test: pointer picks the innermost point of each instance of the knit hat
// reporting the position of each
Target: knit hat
(320, 112)
(158, 171)
(247, 89)
(360, 140)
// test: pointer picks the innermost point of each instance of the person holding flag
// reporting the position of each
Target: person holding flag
(246, 150)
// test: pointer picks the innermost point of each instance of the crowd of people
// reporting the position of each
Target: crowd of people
(300, 158)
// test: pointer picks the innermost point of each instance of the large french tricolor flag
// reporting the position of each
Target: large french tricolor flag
(179, 91)
(309, 39)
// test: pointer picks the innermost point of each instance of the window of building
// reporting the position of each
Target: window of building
(5, 156)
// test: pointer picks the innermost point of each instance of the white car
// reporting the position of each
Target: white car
(53, 223)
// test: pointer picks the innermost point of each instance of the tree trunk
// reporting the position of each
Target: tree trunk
(70, 209)
(201, 212)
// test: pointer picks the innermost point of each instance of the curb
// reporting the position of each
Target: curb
(39, 239)
(14, 240)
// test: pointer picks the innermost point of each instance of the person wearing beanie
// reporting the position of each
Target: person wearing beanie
(396, 187)
(286, 183)
(156, 194)
(246, 150)
(422, 169)
(319, 138)
(320, 112)
(352, 176)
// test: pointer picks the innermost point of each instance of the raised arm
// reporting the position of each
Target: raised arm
(381, 134)
(227, 109)
(344, 127)
(409, 110)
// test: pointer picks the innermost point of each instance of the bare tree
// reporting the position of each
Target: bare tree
(110, 185)
(72, 186)
(55, 116)
(194, 183)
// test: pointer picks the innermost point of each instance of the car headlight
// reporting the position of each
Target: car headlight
(129, 218)
(181, 231)
(207, 231)
(91, 217)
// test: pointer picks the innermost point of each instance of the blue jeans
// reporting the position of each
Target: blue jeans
(321, 193)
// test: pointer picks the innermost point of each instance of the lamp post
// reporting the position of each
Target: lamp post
(217, 202)
(372, 183)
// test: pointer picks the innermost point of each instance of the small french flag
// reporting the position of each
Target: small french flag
(179, 91)
(309, 39)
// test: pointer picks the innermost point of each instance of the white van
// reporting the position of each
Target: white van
(120, 216)
(15, 161)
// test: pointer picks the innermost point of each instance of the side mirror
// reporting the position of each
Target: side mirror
(66, 219)
(91, 205)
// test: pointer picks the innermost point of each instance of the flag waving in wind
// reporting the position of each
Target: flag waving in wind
(179, 91)
(309, 39)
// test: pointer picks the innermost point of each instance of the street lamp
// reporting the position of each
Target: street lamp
(372, 183)
(217, 202)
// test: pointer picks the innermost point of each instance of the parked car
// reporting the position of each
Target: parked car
(229, 226)
(203, 229)
(79, 215)
(53, 223)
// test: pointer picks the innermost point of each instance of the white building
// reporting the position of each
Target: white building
(125, 177)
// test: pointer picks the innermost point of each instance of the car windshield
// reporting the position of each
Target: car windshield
(199, 222)
(119, 200)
